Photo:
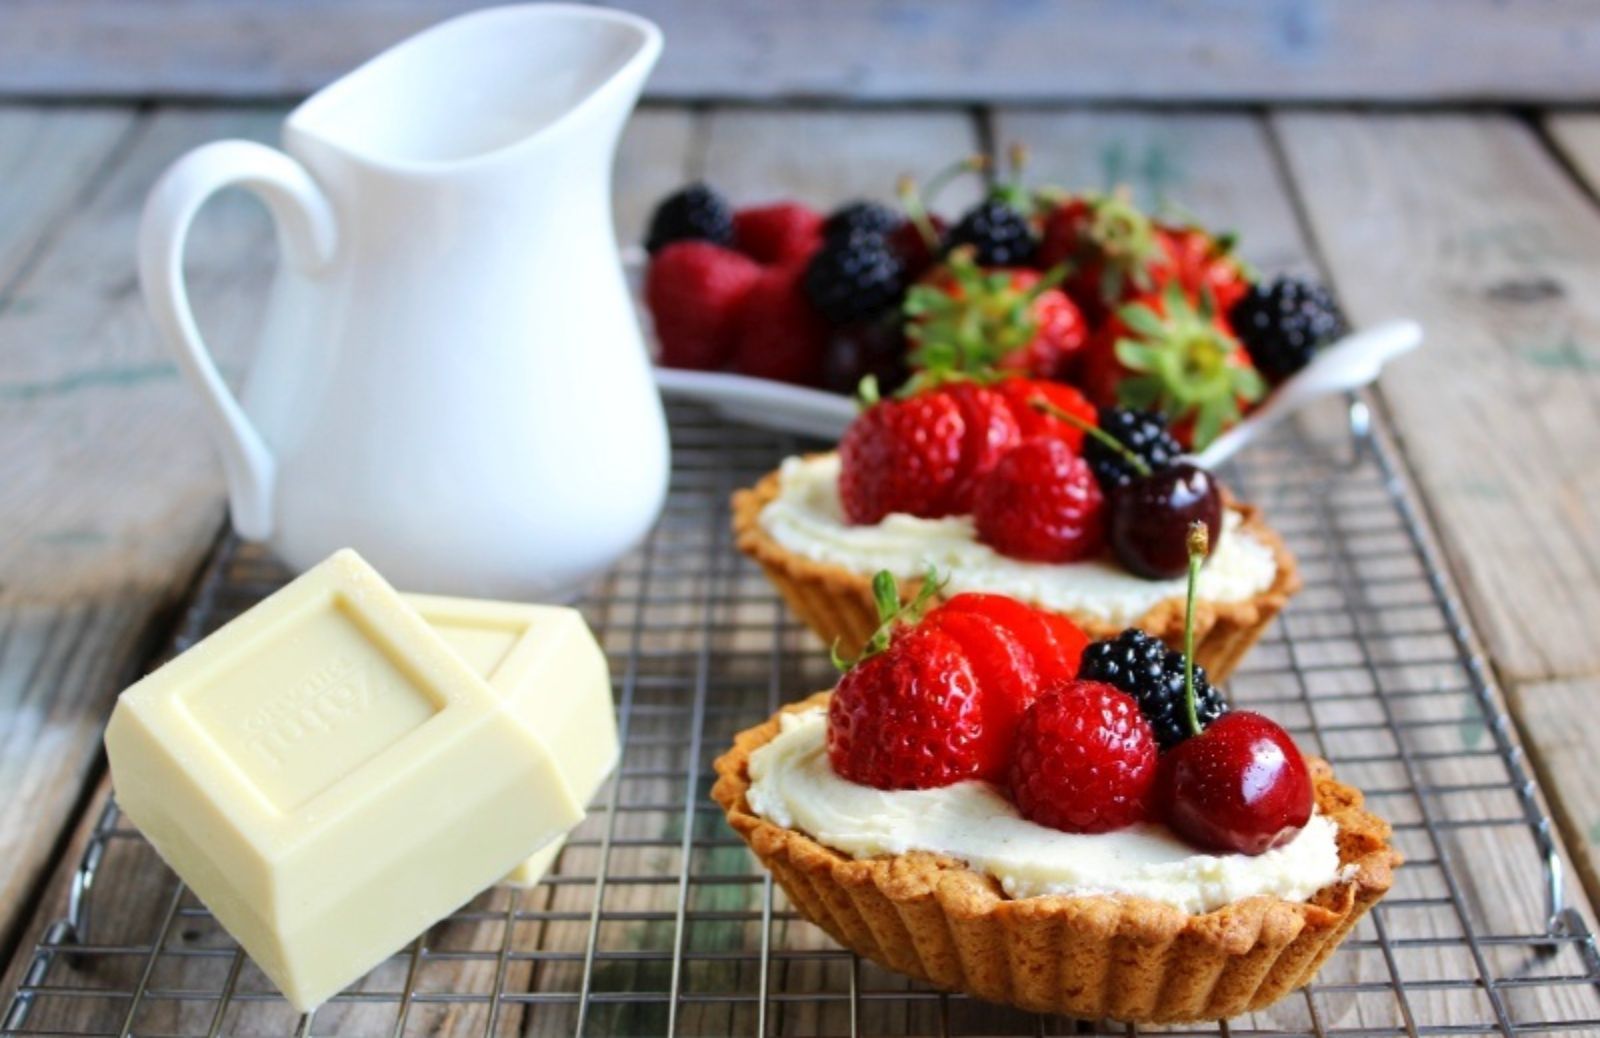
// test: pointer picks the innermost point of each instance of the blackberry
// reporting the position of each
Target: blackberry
(853, 276)
(1143, 667)
(695, 213)
(999, 235)
(1284, 322)
(1142, 432)
(859, 216)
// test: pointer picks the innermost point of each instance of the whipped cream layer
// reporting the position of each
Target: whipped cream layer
(806, 518)
(794, 786)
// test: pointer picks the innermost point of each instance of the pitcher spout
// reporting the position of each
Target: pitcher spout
(482, 84)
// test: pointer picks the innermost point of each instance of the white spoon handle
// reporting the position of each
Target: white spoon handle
(1348, 364)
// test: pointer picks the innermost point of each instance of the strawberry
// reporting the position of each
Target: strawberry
(1165, 353)
(1022, 394)
(967, 318)
(777, 332)
(1107, 244)
(908, 717)
(901, 456)
(1085, 759)
(783, 233)
(1201, 262)
(992, 429)
(1007, 679)
(1040, 503)
(1053, 641)
(694, 289)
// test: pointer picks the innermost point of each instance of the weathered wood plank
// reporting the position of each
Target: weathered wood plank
(1156, 50)
(109, 497)
(1216, 168)
(1556, 720)
(824, 157)
(48, 157)
(1467, 224)
(1577, 134)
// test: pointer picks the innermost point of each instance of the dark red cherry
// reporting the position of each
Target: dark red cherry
(907, 242)
(1150, 516)
(1240, 785)
(874, 346)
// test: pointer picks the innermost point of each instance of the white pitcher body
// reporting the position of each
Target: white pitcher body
(451, 377)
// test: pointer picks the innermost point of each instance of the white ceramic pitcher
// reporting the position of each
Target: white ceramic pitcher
(450, 377)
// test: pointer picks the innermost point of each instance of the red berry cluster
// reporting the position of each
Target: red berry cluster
(984, 687)
(964, 448)
(1010, 454)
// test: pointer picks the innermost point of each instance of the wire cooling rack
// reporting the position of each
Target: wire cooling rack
(656, 921)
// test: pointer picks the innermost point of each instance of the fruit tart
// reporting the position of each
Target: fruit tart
(1016, 487)
(980, 805)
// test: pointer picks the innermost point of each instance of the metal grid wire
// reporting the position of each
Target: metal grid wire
(656, 920)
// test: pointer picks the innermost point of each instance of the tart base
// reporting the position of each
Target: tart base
(1092, 956)
(837, 604)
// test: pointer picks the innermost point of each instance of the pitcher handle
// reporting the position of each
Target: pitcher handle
(308, 234)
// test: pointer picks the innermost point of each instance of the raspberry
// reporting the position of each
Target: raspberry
(1145, 668)
(778, 334)
(901, 456)
(1007, 681)
(1023, 391)
(998, 233)
(695, 213)
(853, 276)
(1040, 503)
(780, 233)
(694, 290)
(1085, 760)
(1284, 323)
(991, 431)
(1053, 641)
(1142, 432)
(908, 717)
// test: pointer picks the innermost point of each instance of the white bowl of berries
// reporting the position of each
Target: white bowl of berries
(776, 313)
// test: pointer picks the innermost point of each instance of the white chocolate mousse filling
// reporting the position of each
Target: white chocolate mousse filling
(806, 518)
(794, 786)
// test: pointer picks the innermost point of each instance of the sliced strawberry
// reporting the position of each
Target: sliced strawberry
(1032, 627)
(1024, 392)
(991, 431)
(1007, 680)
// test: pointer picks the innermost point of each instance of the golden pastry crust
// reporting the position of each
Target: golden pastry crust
(837, 603)
(1094, 956)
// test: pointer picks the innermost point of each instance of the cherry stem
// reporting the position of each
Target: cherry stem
(917, 212)
(1198, 547)
(1137, 463)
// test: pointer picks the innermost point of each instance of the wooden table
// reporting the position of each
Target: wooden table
(1481, 223)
